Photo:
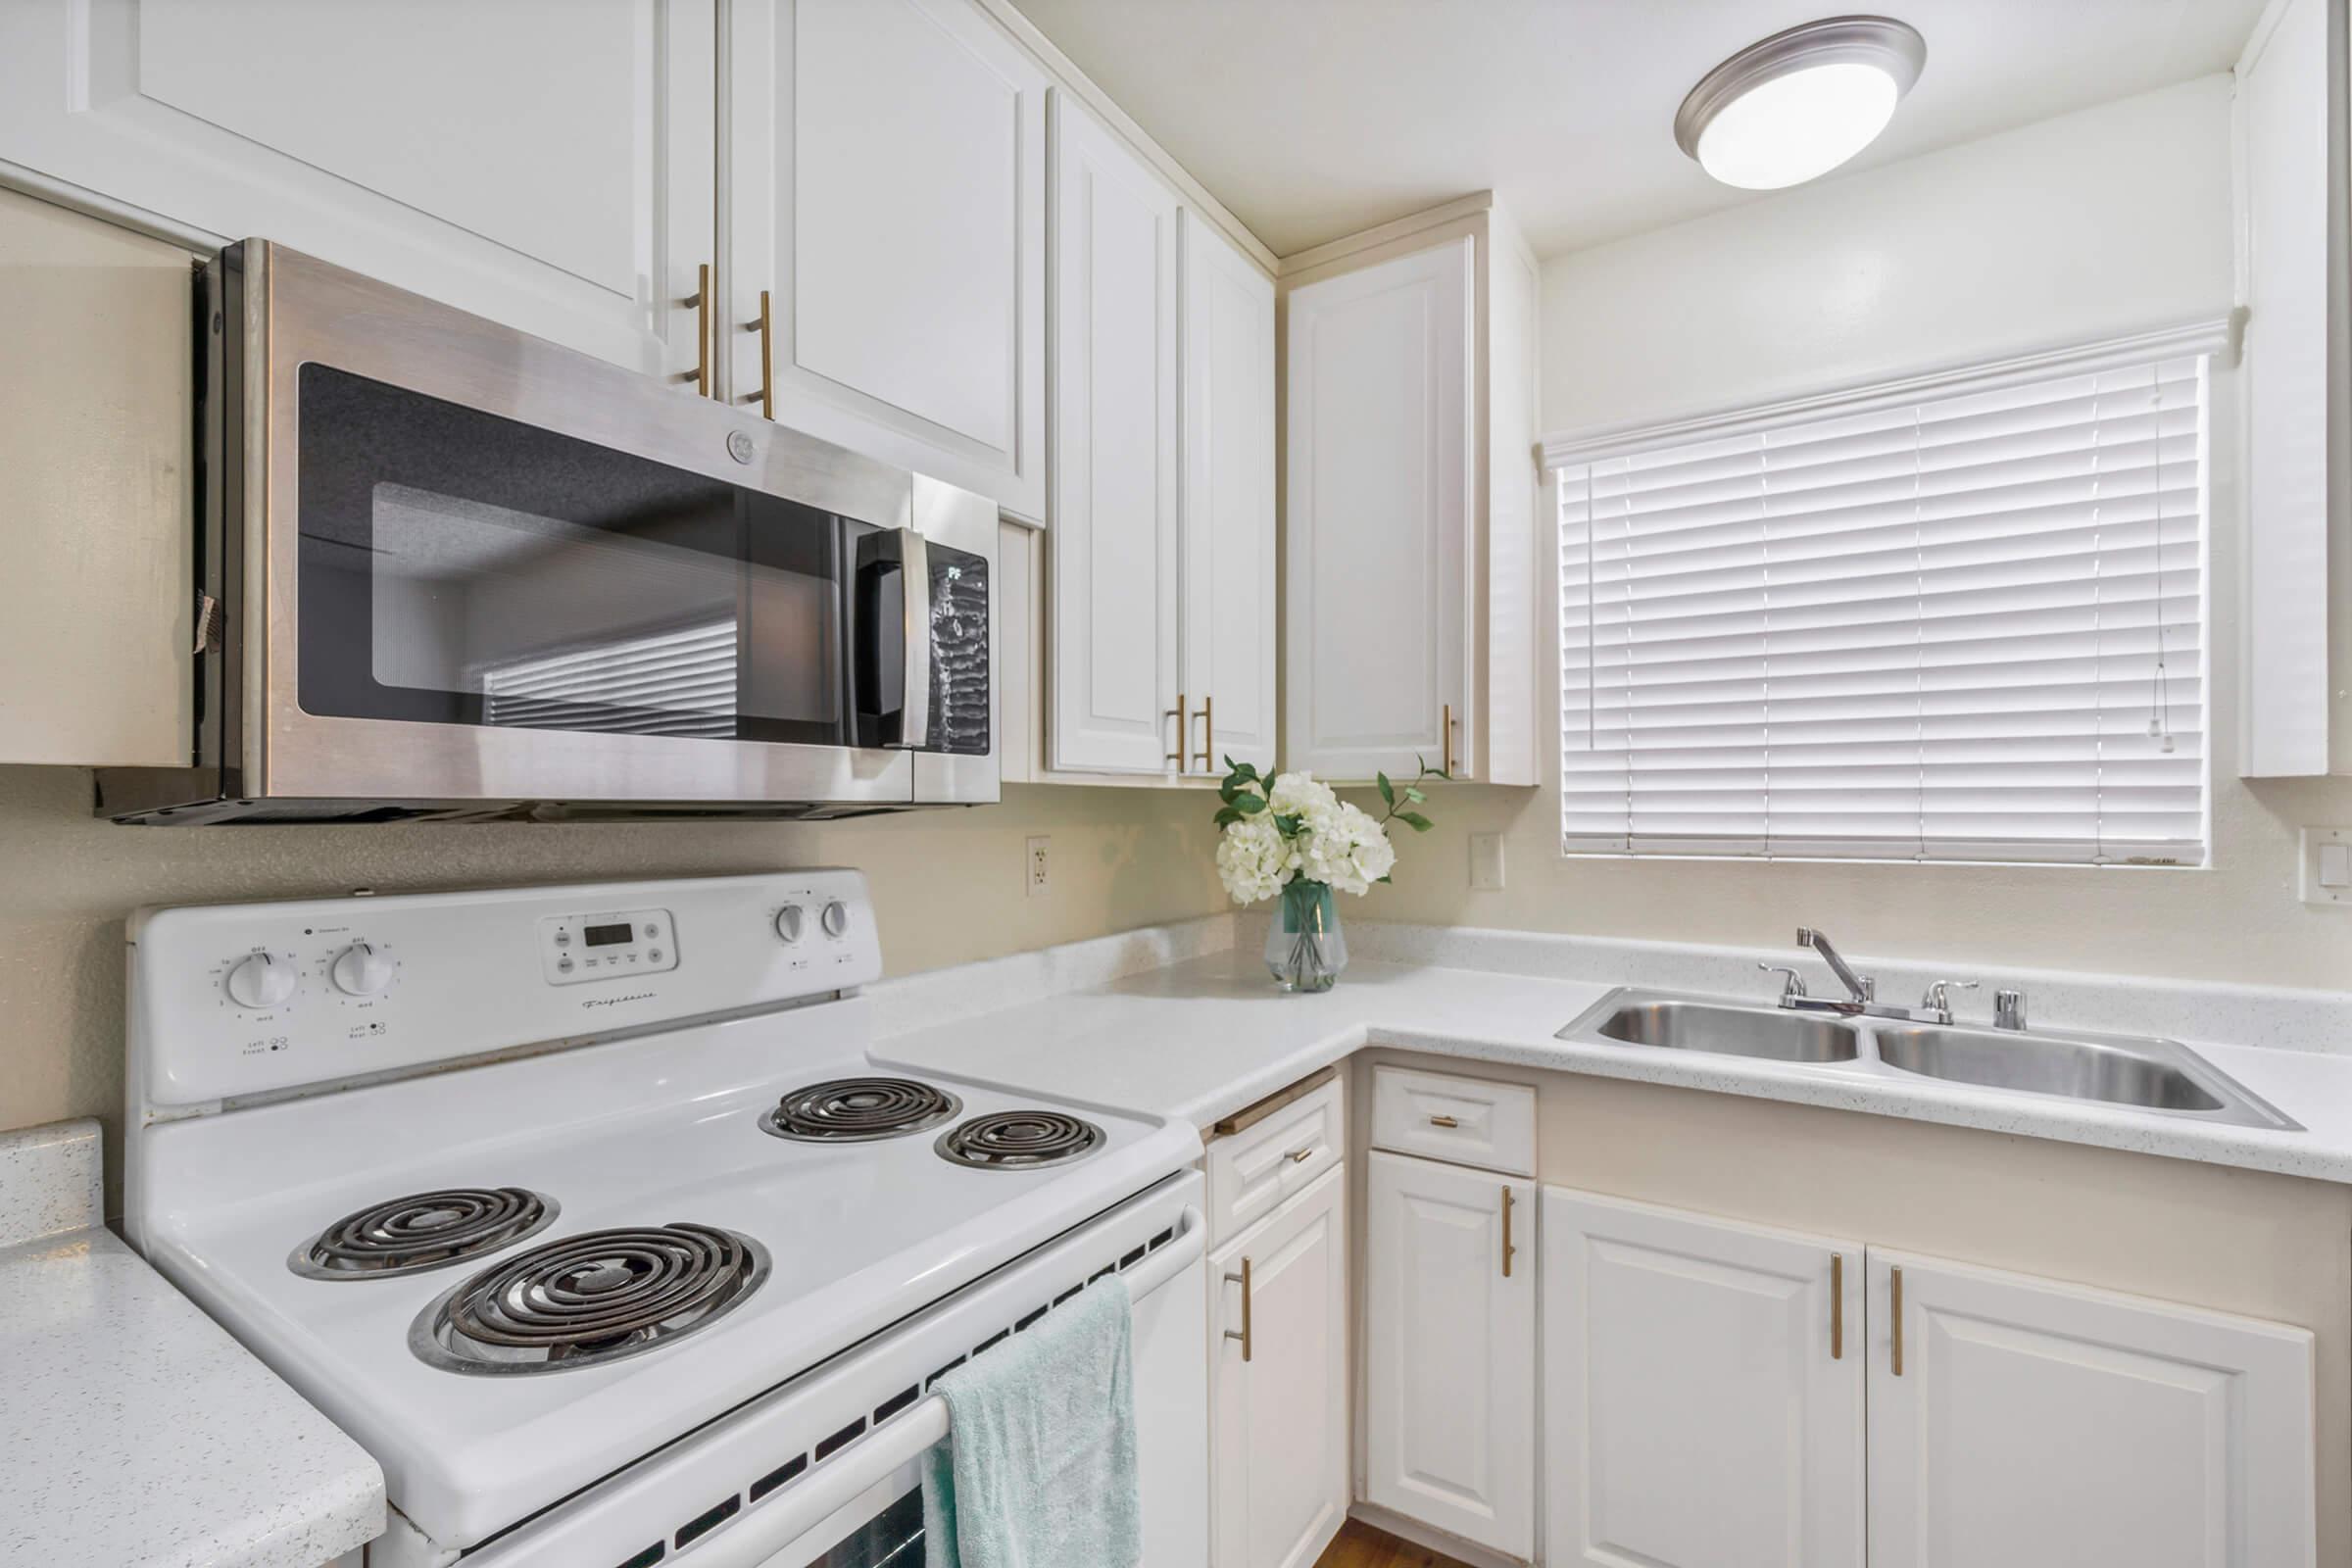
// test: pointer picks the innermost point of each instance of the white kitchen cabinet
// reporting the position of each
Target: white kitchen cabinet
(1450, 1349)
(886, 190)
(1278, 1382)
(96, 494)
(1410, 485)
(1111, 684)
(1703, 1387)
(2035, 1424)
(538, 162)
(1226, 512)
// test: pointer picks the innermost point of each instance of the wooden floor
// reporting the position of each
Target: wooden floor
(1359, 1545)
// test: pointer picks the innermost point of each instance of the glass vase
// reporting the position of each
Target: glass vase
(1305, 948)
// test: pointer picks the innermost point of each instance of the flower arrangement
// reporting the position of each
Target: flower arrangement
(1292, 836)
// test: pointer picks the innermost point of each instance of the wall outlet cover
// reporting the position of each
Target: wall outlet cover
(1486, 863)
(1036, 868)
(2327, 863)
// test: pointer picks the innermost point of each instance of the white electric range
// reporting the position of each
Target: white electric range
(586, 1212)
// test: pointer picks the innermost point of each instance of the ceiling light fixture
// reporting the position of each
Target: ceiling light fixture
(1795, 106)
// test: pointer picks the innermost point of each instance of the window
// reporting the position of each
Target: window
(1960, 627)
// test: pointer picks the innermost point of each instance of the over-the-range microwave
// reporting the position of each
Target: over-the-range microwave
(446, 570)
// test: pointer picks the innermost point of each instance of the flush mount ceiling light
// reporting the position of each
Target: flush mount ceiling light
(1795, 106)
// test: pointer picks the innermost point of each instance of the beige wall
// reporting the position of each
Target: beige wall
(2097, 224)
(947, 885)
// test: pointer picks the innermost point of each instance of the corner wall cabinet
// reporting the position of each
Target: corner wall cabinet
(1410, 482)
(1278, 1382)
(2010, 1420)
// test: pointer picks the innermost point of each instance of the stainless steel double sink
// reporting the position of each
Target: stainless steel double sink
(2142, 1073)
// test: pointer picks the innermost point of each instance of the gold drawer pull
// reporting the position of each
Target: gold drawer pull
(1208, 733)
(1507, 1247)
(1443, 1121)
(700, 304)
(766, 327)
(1183, 733)
(1242, 1279)
(1837, 1307)
(1300, 1157)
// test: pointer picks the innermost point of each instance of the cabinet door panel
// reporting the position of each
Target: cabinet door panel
(1281, 1417)
(392, 140)
(1451, 1352)
(2043, 1425)
(1228, 507)
(1683, 1351)
(1113, 546)
(1382, 502)
(887, 189)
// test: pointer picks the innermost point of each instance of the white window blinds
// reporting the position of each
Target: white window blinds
(1963, 627)
(678, 682)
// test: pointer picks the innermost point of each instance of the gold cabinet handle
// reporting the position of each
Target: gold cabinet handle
(1242, 1279)
(1208, 734)
(701, 306)
(766, 327)
(1894, 1307)
(1443, 1121)
(1300, 1157)
(1184, 728)
(1507, 1247)
(1445, 740)
(1837, 1307)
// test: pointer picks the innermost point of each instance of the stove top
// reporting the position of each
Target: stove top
(524, 1275)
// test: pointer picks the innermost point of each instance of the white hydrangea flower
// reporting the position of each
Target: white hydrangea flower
(1331, 841)
(1252, 860)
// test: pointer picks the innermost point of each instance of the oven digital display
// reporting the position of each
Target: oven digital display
(605, 936)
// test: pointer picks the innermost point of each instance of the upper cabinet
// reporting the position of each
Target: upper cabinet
(579, 209)
(1226, 507)
(1411, 481)
(1115, 393)
(885, 184)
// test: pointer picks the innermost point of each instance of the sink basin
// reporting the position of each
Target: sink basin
(1635, 1018)
(2151, 1075)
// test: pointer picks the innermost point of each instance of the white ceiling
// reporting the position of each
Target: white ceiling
(1312, 119)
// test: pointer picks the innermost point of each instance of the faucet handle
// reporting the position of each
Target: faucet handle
(1793, 987)
(1939, 997)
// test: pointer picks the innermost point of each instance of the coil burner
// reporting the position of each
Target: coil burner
(1019, 1140)
(423, 1231)
(587, 1300)
(857, 1110)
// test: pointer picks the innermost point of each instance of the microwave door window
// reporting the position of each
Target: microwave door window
(458, 567)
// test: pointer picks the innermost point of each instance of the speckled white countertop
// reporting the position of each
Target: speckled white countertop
(134, 1433)
(1207, 1035)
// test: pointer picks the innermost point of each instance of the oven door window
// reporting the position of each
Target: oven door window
(891, 1538)
(457, 567)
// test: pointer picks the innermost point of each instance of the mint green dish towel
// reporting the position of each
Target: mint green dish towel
(1039, 1467)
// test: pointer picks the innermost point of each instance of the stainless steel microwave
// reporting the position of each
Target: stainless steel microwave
(449, 571)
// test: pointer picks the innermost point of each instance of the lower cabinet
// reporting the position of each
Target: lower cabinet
(1449, 1327)
(1278, 1382)
(1709, 1383)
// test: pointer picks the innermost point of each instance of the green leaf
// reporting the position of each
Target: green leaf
(1415, 821)
(1228, 817)
(1249, 805)
(1388, 791)
(1387, 879)
(1413, 795)
(1286, 825)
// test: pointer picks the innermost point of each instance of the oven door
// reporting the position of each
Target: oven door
(497, 571)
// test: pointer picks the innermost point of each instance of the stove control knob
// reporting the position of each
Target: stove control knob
(789, 921)
(259, 981)
(835, 918)
(361, 971)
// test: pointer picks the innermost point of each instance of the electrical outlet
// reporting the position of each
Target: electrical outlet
(1038, 873)
(1486, 863)
(2327, 865)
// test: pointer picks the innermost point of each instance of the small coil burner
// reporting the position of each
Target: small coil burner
(857, 1110)
(588, 1299)
(423, 1231)
(1019, 1140)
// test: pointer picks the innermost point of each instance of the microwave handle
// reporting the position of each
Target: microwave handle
(914, 574)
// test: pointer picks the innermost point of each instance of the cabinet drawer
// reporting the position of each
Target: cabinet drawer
(1251, 1171)
(1468, 1121)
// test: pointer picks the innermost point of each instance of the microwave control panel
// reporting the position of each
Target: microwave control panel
(610, 945)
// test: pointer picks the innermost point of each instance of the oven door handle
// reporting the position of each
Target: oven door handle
(834, 1485)
(915, 577)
